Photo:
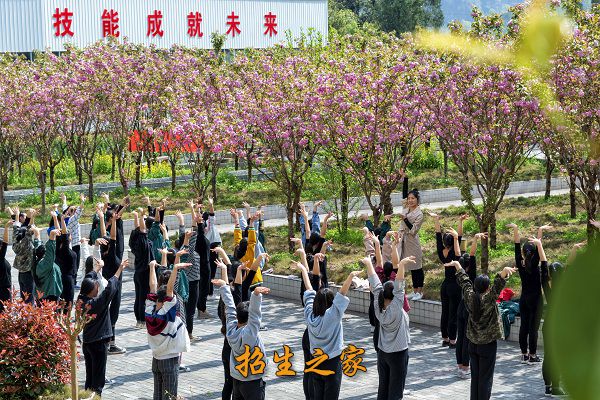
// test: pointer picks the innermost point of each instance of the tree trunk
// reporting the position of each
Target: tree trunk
(445, 163)
(78, 171)
(90, 187)
(572, 195)
(549, 169)
(376, 214)
(138, 170)
(290, 219)
(249, 169)
(20, 161)
(344, 198)
(52, 184)
(42, 182)
(123, 176)
(386, 203)
(493, 234)
(74, 385)
(173, 176)
(113, 162)
(2, 200)
(485, 252)
(236, 162)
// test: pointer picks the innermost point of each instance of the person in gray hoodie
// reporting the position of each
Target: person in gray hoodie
(394, 336)
(242, 332)
(323, 313)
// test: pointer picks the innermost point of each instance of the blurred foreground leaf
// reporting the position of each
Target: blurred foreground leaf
(574, 326)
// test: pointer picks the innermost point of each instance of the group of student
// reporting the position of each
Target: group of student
(173, 280)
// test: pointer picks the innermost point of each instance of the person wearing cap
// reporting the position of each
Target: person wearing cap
(98, 332)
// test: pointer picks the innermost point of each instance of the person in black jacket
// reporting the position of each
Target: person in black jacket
(448, 249)
(98, 332)
(141, 247)
(66, 259)
(5, 276)
(527, 262)
(112, 261)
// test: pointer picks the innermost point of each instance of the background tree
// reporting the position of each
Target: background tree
(487, 120)
(576, 80)
(281, 91)
(372, 107)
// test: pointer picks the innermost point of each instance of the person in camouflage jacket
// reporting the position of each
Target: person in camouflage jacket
(23, 248)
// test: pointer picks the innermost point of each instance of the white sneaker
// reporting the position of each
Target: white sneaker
(417, 296)
(140, 325)
(464, 374)
(372, 329)
(411, 296)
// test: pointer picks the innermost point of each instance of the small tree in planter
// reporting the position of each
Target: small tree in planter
(72, 329)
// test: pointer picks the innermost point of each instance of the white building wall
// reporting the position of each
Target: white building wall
(27, 25)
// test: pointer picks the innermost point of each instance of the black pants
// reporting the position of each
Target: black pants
(95, 354)
(115, 305)
(462, 342)
(77, 249)
(328, 387)
(418, 277)
(483, 361)
(190, 306)
(306, 377)
(228, 383)
(531, 315)
(450, 294)
(142, 288)
(5, 295)
(27, 286)
(204, 285)
(68, 292)
(248, 390)
(392, 368)
(213, 267)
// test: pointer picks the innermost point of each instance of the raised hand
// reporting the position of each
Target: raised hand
(388, 218)
(300, 252)
(181, 266)
(535, 241)
(512, 226)
(409, 260)
(354, 274)
(507, 272)
(463, 217)
(433, 215)
(218, 282)
(296, 265)
(481, 235)
(452, 232)
(595, 223)
(454, 264)
(261, 290)
(182, 252)
(125, 263)
(101, 242)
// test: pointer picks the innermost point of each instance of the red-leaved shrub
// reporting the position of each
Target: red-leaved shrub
(34, 351)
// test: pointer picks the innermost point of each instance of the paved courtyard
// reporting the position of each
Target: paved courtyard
(431, 373)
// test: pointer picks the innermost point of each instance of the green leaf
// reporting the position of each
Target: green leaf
(574, 327)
